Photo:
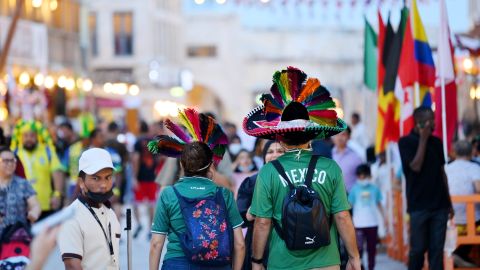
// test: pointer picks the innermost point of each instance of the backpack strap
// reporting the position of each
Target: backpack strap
(311, 170)
(181, 199)
(281, 171)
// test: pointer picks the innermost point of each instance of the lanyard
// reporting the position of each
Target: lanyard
(109, 240)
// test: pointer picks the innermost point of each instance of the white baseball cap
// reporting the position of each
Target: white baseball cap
(94, 160)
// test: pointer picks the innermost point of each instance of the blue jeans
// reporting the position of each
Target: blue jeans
(427, 232)
(181, 263)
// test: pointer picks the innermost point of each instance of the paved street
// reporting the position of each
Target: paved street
(140, 250)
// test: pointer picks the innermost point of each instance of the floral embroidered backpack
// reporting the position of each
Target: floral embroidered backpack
(208, 239)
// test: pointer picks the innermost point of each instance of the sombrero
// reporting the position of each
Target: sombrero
(296, 105)
(197, 127)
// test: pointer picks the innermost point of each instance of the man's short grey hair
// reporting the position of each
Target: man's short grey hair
(463, 148)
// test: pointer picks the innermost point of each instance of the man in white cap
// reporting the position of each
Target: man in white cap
(90, 240)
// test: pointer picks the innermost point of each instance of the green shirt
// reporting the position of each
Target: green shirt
(271, 189)
(168, 213)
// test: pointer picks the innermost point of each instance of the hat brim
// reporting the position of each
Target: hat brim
(256, 125)
(93, 169)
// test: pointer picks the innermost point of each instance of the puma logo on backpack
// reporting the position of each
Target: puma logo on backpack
(309, 241)
(305, 223)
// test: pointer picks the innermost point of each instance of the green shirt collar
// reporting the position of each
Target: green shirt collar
(194, 178)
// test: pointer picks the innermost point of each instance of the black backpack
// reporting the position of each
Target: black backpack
(305, 223)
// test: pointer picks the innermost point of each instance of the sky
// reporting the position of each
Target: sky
(276, 15)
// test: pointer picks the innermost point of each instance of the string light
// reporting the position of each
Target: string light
(49, 82)
(108, 87)
(87, 85)
(467, 65)
(24, 79)
(53, 5)
(38, 79)
(3, 113)
(37, 3)
(70, 84)
(134, 90)
(62, 81)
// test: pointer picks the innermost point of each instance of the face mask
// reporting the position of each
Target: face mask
(363, 183)
(99, 197)
(235, 148)
(246, 169)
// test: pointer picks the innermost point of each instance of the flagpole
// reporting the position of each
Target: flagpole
(442, 85)
(417, 94)
(444, 106)
(444, 117)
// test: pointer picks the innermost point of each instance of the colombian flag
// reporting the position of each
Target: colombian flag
(423, 58)
(416, 67)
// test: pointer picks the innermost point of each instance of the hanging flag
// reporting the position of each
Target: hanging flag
(407, 77)
(445, 73)
(370, 57)
(385, 36)
(380, 45)
(423, 57)
(388, 107)
(392, 120)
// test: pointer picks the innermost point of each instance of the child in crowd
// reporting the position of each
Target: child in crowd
(365, 198)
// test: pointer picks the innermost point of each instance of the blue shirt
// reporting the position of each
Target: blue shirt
(13, 202)
(364, 198)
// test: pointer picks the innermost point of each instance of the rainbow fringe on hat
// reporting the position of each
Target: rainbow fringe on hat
(198, 127)
(292, 85)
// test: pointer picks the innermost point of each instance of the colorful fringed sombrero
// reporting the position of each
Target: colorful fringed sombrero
(295, 105)
(199, 127)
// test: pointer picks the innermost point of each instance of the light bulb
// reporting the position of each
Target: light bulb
(38, 79)
(24, 78)
(37, 3)
(87, 85)
(49, 82)
(62, 81)
(53, 5)
(134, 90)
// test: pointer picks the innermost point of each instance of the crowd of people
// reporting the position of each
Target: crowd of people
(305, 193)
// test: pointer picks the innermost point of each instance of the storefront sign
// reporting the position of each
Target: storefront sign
(108, 103)
(30, 43)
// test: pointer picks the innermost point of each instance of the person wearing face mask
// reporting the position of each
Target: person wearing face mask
(271, 151)
(365, 198)
(235, 147)
(243, 166)
(90, 240)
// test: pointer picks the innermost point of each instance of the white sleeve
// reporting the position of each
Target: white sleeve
(70, 240)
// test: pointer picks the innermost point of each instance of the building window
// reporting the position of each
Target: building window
(202, 51)
(122, 27)
(92, 29)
